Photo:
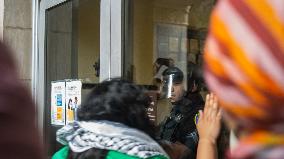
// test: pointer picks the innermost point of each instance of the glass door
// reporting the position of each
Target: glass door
(69, 48)
(60, 61)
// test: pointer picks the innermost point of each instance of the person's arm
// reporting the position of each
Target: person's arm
(208, 126)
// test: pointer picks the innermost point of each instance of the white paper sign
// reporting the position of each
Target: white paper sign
(73, 99)
(58, 103)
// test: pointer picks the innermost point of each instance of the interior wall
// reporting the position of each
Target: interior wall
(147, 14)
(143, 41)
(176, 15)
(88, 39)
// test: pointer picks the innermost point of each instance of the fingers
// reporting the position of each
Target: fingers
(206, 103)
(211, 110)
(219, 114)
(208, 106)
(213, 107)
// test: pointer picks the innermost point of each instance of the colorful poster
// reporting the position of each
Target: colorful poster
(73, 99)
(58, 103)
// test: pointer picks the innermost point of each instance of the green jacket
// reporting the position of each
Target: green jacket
(63, 153)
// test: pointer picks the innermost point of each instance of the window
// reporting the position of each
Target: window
(72, 50)
(172, 30)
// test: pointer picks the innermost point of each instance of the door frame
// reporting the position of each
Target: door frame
(111, 46)
(39, 59)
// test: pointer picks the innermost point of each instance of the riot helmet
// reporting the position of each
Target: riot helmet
(172, 75)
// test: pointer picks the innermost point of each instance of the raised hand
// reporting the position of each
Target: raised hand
(209, 123)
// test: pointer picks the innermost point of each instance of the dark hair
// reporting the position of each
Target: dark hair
(194, 77)
(118, 101)
(163, 61)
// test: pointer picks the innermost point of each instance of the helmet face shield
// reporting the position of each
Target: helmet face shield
(171, 76)
(167, 84)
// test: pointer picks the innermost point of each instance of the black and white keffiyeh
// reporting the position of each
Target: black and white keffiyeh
(81, 136)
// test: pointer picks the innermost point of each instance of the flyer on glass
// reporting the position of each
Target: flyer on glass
(58, 103)
(73, 99)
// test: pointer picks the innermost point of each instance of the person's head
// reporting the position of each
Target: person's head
(161, 62)
(171, 62)
(118, 101)
(246, 73)
(160, 65)
(17, 113)
(173, 78)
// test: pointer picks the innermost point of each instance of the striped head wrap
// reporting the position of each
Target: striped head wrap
(244, 67)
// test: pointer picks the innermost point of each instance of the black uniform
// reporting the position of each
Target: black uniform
(180, 125)
(196, 98)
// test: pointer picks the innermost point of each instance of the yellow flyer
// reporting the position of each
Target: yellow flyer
(58, 103)
(73, 99)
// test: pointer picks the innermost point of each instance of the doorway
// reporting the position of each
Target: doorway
(69, 48)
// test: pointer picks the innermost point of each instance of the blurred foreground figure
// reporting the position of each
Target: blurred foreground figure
(19, 138)
(112, 124)
(244, 67)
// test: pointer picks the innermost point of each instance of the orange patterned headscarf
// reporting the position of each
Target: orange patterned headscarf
(244, 67)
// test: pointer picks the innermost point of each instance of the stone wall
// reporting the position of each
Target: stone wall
(17, 34)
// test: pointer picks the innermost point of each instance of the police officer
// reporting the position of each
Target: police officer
(180, 126)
